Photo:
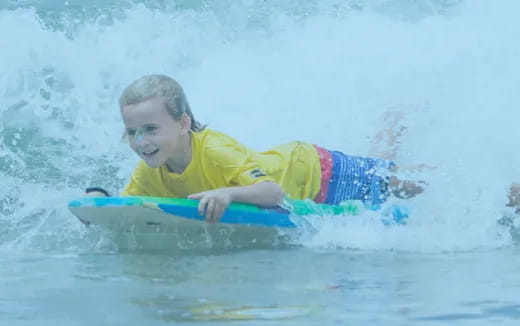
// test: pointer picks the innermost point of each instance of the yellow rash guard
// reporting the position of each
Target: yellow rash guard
(220, 161)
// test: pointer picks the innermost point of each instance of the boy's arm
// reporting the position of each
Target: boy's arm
(264, 194)
(213, 203)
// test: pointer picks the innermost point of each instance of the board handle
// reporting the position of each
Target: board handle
(98, 189)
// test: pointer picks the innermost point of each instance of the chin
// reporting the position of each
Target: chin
(153, 164)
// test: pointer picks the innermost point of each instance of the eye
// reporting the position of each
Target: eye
(150, 128)
(130, 132)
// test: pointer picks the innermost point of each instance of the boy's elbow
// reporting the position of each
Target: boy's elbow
(278, 194)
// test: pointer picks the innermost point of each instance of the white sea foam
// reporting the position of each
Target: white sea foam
(267, 75)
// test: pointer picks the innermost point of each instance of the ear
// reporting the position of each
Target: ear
(185, 122)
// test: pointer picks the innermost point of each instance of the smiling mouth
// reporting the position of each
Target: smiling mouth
(148, 154)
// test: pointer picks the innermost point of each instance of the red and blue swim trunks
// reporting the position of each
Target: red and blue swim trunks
(346, 177)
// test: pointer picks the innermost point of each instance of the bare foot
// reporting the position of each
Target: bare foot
(406, 188)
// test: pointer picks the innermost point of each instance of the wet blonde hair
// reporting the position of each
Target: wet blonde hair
(150, 86)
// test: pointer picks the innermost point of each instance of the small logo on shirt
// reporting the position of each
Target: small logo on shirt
(256, 173)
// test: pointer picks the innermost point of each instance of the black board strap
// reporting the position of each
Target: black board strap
(92, 189)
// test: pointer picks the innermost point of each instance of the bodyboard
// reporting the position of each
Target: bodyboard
(152, 220)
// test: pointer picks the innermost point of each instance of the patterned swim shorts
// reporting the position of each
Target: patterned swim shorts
(346, 177)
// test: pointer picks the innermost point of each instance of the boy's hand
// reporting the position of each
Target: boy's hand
(213, 203)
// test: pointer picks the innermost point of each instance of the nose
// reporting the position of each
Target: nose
(139, 137)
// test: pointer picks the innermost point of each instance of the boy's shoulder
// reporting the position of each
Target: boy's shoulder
(216, 146)
(210, 138)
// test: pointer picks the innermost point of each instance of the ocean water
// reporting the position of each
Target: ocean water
(265, 72)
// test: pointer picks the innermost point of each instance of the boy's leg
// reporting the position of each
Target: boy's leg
(385, 145)
(386, 142)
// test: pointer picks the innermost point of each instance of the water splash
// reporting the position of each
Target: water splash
(323, 72)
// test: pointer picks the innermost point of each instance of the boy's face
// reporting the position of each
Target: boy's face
(153, 133)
